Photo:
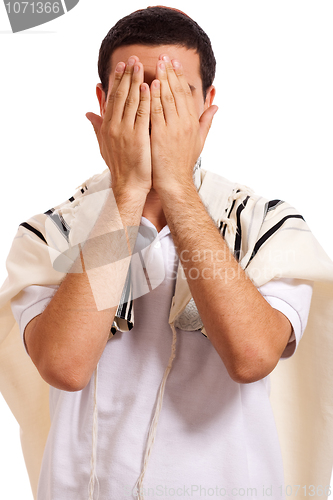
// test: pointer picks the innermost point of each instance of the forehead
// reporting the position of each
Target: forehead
(149, 55)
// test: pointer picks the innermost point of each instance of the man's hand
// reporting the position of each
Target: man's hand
(177, 133)
(123, 132)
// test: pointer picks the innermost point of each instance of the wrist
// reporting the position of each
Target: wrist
(125, 194)
(176, 190)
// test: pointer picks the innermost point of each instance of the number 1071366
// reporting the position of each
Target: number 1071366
(33, 7)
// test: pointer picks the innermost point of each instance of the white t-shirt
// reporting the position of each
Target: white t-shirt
(215, 438)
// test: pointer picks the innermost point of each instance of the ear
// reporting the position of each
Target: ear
(101, 98)
(210, 95)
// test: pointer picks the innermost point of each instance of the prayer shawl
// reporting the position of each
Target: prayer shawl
(270, 239)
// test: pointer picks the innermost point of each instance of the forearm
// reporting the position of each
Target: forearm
(246, 331)
(69, 337)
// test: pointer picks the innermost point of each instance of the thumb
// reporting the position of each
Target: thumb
(206, 120)
(96, 122)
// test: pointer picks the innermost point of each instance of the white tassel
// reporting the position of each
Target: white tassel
(230, 223)
(93, 475)
(153, 425)
(243, 191)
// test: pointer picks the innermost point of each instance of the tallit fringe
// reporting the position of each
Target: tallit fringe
(153, 425)
(93, 475)
(231, 225)
(243, 191)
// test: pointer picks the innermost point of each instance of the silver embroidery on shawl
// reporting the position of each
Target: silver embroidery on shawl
(189, 319)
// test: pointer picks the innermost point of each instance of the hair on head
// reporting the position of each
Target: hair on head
(158, 26)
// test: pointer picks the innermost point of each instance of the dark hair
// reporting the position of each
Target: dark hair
(158, 26)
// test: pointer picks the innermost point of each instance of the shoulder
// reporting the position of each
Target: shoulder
(247, 220)
(94, 184)
(58, 220)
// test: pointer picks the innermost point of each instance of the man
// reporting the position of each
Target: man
(216, 434)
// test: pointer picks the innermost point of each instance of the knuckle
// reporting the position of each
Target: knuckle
(119, 94)
(113, 130)
(118, 77)
(141, 112)
(179, 89)
(144, 98)
(130, 101)
(188, 126)
(128, 70)
(157, 109)
(170, 99)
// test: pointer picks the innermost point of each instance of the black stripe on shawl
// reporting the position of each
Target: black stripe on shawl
(273, 204)
(238, 239)
(228, 216)
(129, 313)
(34, 230)
(270, 233)
(60, 222)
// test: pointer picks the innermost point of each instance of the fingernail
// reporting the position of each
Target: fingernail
(166, 58)
(162, 66)
(176, 64)
(136, 68)
(131, 61)
(120, 67)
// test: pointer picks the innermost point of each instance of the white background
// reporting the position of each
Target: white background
(273, 131)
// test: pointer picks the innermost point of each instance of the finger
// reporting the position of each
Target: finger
(133, 98)
(120, 90)
(119, 71)
(176, 87)
(156, 108)
(166, 95)
(178, 70)
(143, 111)
(205, 122)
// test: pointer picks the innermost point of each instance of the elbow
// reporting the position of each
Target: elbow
(64, 378)
(247, 371)
(247, 376)
(58, 367)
